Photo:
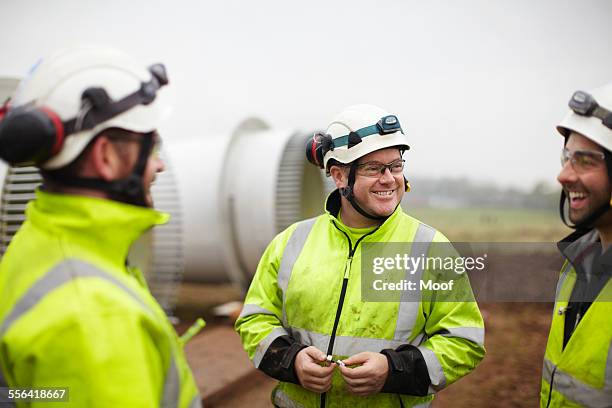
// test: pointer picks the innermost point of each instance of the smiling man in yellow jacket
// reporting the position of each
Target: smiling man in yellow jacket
(74, 314)
(305, 323)
(577, 369)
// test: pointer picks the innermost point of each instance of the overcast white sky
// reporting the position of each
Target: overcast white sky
(478, 85)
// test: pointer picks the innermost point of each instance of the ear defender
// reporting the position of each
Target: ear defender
(407, 186)
(317, 148)
(30, 135)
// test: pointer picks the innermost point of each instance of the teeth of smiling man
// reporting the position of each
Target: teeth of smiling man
(384, 193)
(575, 194)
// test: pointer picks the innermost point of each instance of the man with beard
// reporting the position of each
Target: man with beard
(304, 321)
(578, 361)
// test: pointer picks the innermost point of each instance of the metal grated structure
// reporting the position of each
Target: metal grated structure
(165, 254)
(288, 183)
(18, 189)
(167, 247)
(294, 177)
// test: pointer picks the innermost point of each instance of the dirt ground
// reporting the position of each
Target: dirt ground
(509, 376)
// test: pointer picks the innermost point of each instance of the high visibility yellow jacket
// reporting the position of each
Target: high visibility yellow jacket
(311, 268)
(581, 371)
(73, 315)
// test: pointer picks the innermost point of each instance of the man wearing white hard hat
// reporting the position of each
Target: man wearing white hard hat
(577, 369)
(305, 323)
(75, 317)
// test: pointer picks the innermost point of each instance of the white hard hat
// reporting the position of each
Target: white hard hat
(362, 129)
(58, 82)
(585, 116)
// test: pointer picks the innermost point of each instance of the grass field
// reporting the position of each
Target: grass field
(493, 224)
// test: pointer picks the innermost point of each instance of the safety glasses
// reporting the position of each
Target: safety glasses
(376, 169)
(582, 161)
(138, 138)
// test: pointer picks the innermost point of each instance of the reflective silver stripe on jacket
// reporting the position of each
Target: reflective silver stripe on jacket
(170, 398)
(59, 275)
(343, 345)
(284, 401)
(252, 309)
(348, 346)
(409, 305)
(434, 368)
(196, 402)
(263, 345)
(423, 405)
(577, 391)
(290, 254)
(409, 308)
(292, 250)
(67, 271)
(473, 334)
(566, 269)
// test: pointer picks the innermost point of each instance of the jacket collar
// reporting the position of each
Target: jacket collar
(578, 245)
(109, 227)
(332, 208)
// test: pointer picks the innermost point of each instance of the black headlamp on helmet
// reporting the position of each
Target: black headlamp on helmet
(584, 104)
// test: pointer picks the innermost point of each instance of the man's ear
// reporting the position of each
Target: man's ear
(105, 159)
(339, 175)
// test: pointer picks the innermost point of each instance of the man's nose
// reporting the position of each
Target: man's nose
(160, 165)
(567, 174)
(386, 176)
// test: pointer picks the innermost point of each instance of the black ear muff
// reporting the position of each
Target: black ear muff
(317, 147)
(30, 135)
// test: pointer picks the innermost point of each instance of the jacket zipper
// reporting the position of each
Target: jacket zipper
(552, 378)
(347, 270)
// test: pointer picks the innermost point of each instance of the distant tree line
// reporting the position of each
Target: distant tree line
(462, 192)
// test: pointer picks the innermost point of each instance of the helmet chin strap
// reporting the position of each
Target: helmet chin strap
(587, 223)
(129, 190)
(347, 192)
